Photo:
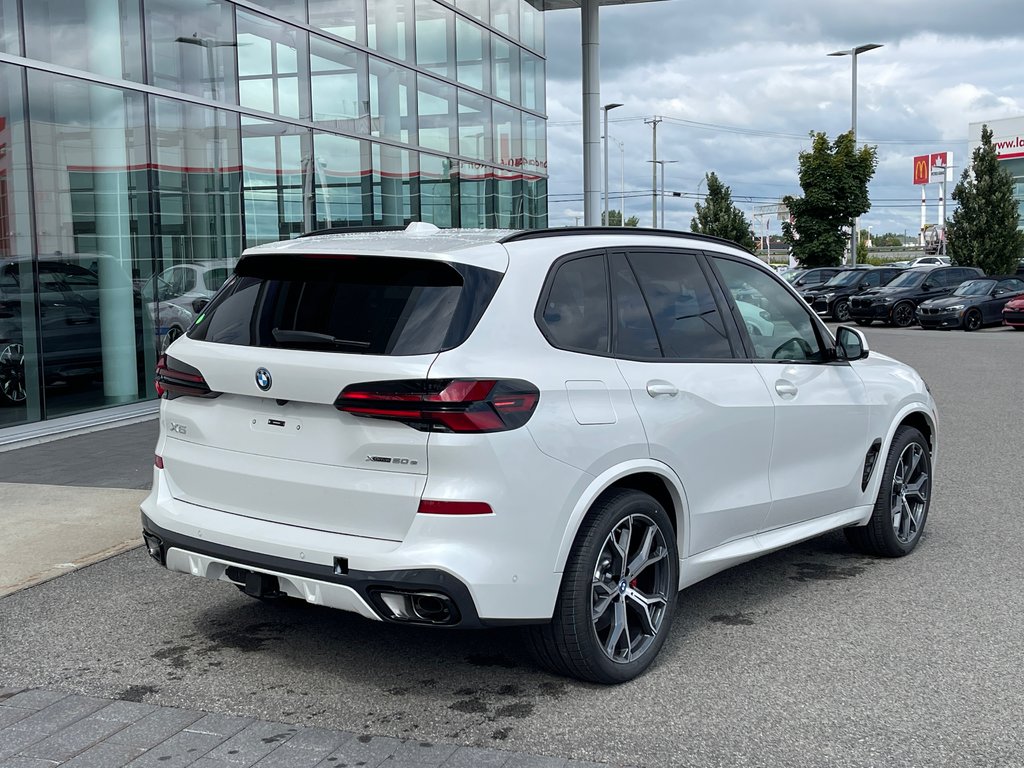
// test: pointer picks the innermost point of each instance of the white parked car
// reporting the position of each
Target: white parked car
(924, 261)
(556, 428)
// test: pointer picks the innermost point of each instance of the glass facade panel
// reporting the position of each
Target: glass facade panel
(101, 36)
(437, 192)
(473, 57)
(340, 97)
(295, 9)
(535, 191)
(277, 175)
(392, 101)
(10, 28)
(435, 38)
(505, 16)
(343, 182)
(509, 208)
(394, 175)
(89, 160)
(508, 138)
(535, 158)
(480, 9)
(438, 114)
(390, 27)
(532, 81)
(272, 61)
(474, 126)
(191, 47)
(531, 24)
(504, 69)
(344, 18)
(476, 209)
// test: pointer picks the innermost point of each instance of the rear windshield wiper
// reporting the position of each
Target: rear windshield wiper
(309, 337)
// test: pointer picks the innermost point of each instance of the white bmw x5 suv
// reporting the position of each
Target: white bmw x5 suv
(556, 428)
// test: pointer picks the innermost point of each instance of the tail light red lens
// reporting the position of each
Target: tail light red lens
(176, 379)
(444, 405)
(158, 461)
(437, 507)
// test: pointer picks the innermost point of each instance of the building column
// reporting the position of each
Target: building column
(591, 114)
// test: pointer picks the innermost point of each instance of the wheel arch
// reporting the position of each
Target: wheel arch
(652, 478)
(913, 415)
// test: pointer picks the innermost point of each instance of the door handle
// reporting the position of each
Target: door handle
(657, 388)
(786, 389)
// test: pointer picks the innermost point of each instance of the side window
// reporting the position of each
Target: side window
(871, 278)
(1010, 285)
(634, 329)
(966, 274)
(686, 318)
(779, 326)
(576, 308)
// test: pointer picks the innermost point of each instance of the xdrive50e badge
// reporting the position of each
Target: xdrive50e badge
(263, 379)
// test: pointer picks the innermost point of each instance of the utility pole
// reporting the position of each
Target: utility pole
(653, 122)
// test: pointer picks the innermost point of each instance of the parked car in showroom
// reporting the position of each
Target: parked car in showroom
(973, 304)
(465, 428)
(833, 298)
(1013, 313)
(186, 287)
(896, 302)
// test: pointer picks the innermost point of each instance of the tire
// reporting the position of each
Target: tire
(972, 320)
(12, 373)
(903, 314)
(599, 579)
(862, 321)
(900, 514)
(841, 311)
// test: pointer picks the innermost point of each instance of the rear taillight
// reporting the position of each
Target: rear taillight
(176, 379)
(444, 405)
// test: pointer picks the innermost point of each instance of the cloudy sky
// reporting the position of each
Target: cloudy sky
(740, 84)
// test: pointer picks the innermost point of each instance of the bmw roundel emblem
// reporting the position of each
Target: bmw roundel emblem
(263, 379)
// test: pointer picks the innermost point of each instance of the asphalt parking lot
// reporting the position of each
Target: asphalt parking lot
(808, 657)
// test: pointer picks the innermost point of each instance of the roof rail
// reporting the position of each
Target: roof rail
(353, 230)
(533, 234)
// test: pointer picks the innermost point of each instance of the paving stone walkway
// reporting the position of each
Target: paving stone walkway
(44, 728)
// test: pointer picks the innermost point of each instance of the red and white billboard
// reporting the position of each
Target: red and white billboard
(922, 166)
(934, 167)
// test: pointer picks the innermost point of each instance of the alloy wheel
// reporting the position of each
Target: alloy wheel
(841, 311)
(12, 372)
(903, 314)
(630, 589)
(908, 500)
(972, 321)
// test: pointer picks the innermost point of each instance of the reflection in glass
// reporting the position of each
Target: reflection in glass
(435, 38)
(505, 16)
(393, 175)
(89, 157)
(10, 39)
(191, 47)
(474, 126)
(508, 140)
(390, 28)
(271, 58)
(535, 189)
(505, 69)
(534, 144)
(532, 81)
(339, 86)
(438, 115)
(473, 58)
(509, 210)
(344, 18)
(392, 101)
(101, 36)
(436, 190)
(296, 9)
(474, 202)
(277, 175)
(479, 9)
(343, 182)
(531, 24)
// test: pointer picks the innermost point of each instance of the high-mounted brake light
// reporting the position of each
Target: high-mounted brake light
(444, 405)
(175, 379)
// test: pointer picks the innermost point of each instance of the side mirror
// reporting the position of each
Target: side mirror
(851, 344)
(928, 287)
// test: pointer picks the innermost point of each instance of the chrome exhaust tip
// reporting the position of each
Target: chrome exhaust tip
(419, 607)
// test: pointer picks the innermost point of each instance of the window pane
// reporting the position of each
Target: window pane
(438, 117)
(532, 81)
(505, 16)
(390, 27)
(393, 175)
(10, 41)
(344, 194)
(474, 126)
(339, 86)
(392, 101)
(679, 297)
(89, 162)
(505, 69)
(777, 322)
(296, 9)
(475, 205)
(192, 47)
(344, 18)
(268, 66)
(634, 329)
(471, 45)
(435, 38)
(277, 172)
(508, 141)
(535, 189)
(531, 24)
(436, 190)
(102, 36)
(508, 199)
(534, 144)
(576, 310)
(477, 8)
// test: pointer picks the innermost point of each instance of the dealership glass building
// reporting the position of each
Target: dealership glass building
(145, 143)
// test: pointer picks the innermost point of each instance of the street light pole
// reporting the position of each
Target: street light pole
(852, 53)
(653, 122)
(606, 109)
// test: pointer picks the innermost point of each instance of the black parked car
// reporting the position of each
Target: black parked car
(815, 276)
(972, 305)
(896, 303)
(833, 298)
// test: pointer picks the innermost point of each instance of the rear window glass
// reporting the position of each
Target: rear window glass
(351, 304)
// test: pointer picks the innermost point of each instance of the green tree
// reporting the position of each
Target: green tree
(888, 240)
(834, 177)
(615, 219)
(862, 246)
(983, 231)
(718, 216)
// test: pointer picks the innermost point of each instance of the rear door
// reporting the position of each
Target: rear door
(276, 349)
